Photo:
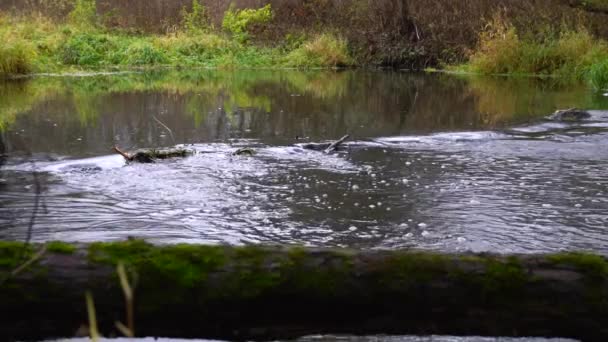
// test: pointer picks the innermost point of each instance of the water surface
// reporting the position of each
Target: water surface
(434, 161)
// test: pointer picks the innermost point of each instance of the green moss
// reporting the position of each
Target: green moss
(13, 253)
(60, 247)
(589, 264)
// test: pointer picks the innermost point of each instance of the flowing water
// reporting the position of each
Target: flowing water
(434, 161)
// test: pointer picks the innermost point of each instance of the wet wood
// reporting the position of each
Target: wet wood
(263, 293)
(333, 146)
(150, 155)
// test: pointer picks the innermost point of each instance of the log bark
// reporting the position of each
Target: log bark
(267, 292)
(149, 155)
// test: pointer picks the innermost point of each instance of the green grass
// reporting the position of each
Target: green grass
(34, 44)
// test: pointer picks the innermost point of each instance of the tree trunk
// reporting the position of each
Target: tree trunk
(253, 292)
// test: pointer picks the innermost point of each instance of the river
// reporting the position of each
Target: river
(434, 161)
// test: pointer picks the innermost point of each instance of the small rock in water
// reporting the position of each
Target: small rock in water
(422, 225)
(352, 228)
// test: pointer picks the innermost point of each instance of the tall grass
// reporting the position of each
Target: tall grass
(598, 75)
(322, 50)
(575, 55)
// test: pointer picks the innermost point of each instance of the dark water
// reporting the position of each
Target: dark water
(434, 161)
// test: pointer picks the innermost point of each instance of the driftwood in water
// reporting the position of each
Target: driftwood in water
(244, 151)
(240, 293)
(325, 147)
(150, 155)
(571, 114)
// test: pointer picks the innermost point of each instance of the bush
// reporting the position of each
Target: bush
(143, 53)
(16, 56)
(598, 75)
(238, 22)
(324, 50)
(569, 54)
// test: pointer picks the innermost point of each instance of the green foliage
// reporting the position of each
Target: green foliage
(84, 14)
(598, 75)
(197, 20)
(239, 22)
(16, 56)
(322, 51)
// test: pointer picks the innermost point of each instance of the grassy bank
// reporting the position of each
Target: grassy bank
(573, 55)
(35, 44)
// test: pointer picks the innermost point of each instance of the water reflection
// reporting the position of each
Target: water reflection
(84, 115)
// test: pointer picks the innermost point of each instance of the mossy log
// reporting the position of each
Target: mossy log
(262, 293)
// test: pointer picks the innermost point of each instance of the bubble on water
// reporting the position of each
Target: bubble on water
(379, 204)
(317, 200)
(355, 187)
(373, 175)
(422, 225)
(388, 209)
(461, 240)
(405, 181)
(410, 220)
(324, 195)
(404, 225)
(408, 163)
(356, 204)
(352, 228)
(425, 233)
(409, 235)
(522, 184)
(546, 205)
(474, 202)
(578, 205)
(371, 206)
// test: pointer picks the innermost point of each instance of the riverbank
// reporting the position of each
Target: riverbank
(548, 37)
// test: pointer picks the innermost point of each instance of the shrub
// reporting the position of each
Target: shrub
(238, 22)
(197, 20)
(86, 49)
(598, 75)
(84, 14)
(324, 50)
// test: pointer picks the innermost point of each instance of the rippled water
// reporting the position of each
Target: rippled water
(434, 161)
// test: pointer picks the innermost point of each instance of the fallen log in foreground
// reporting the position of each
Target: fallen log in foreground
(279, 292)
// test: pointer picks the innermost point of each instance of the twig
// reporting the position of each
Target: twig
(35, 257)
(167, 128)
(129, 330)
(92, 317)
(335, 144)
